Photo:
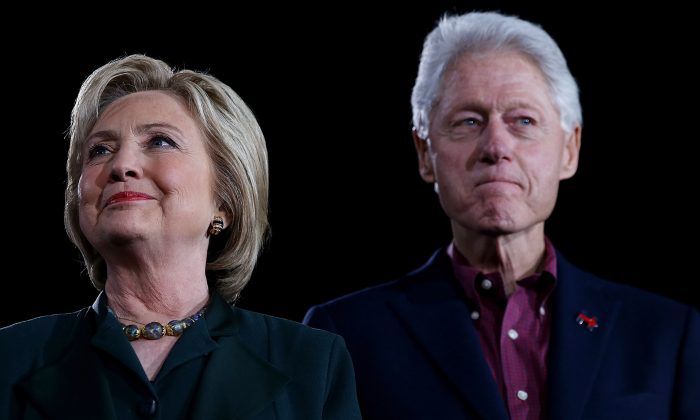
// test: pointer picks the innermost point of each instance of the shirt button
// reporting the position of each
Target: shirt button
(512, 334)
(522, 395)
(542, 311)
(475, 315)
(147, 408)
(486, 284)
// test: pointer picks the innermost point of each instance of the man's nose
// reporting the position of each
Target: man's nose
(495, 143)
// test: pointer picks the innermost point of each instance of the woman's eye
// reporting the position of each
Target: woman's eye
(98, 150)
(162, 141)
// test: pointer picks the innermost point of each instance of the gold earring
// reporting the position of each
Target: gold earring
(217, 225)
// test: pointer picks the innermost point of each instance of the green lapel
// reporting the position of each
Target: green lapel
(237, 382)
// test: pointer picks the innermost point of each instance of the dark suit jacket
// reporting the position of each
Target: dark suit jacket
(263, 368)
(417, 355)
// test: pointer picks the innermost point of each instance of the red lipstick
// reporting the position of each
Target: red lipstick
(123, 196)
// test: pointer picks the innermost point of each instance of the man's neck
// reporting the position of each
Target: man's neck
(513, 256)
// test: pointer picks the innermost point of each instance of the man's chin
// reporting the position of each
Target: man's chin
(497, 223)
(496, 230)
(502, 226)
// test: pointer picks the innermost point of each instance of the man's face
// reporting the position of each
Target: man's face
(496, 147)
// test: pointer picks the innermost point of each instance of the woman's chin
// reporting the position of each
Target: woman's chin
(124, 235)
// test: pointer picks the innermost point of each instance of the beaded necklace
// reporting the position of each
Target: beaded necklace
(156, 330)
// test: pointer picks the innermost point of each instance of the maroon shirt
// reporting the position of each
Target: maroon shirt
(514, 332)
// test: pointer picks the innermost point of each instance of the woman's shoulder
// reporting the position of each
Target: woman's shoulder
(38, 329)
(38, 338)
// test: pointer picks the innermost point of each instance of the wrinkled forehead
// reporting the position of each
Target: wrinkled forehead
(501, 63)
(143, 109)
(485, 74)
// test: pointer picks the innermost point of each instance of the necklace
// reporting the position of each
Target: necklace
(156, 330)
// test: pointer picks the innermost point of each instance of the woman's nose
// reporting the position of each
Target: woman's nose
(125, 165)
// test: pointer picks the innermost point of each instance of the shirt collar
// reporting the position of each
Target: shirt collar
(544, 279)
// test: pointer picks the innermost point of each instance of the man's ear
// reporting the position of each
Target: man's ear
(572, 147)
(425, 163)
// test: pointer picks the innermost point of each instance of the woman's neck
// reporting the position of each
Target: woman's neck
(152, 281)
(172, 289)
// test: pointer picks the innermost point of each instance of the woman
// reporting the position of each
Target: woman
(167, 201)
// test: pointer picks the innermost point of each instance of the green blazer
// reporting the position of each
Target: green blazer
(263, 368)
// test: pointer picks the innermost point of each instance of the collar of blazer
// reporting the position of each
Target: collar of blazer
(237, 382)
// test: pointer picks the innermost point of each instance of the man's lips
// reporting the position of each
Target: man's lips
(496, 180)
(123, 196)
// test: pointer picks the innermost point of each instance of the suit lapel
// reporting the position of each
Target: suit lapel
(436, 315)
(575, 351)
(236, 383)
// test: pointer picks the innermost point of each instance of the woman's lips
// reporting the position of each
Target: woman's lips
(123, 196)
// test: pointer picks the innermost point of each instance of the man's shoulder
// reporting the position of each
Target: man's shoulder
(629, 296)
(275, 331)
(373, 297)
(434, 270)
(376, 293)
(645, 307)
(366, 312)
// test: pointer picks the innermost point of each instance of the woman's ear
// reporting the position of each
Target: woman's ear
(226, 216)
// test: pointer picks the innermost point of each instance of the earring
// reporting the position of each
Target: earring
(217, 225)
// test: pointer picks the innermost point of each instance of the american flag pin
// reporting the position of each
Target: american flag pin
(589, 322)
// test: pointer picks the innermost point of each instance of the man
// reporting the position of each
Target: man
(499, 325)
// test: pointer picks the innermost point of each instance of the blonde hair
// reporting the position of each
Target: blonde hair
(234, 142)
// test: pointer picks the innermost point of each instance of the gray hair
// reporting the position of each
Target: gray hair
(484, 32)
(234, 142)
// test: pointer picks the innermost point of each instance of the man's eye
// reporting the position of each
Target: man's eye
(524, 121)
(471, 122)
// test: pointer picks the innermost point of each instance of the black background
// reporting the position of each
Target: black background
(331, 90)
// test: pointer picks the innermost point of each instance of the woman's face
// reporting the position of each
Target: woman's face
(146, 175)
